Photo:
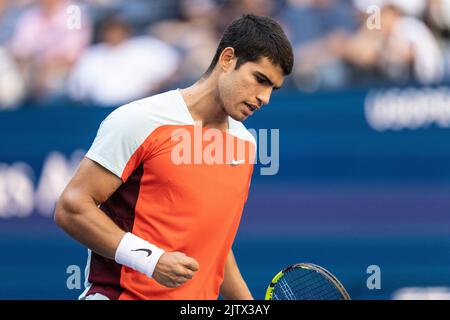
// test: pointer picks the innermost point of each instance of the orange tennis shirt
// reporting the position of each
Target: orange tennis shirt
(184, 189)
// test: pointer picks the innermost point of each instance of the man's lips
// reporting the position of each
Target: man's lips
(251, 107)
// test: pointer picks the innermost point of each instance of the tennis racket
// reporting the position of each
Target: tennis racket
(305, 281)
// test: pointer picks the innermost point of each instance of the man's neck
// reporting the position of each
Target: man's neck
(204, 104)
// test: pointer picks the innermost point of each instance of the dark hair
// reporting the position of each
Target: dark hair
(253, 37)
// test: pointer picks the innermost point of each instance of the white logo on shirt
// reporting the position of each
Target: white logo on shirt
(236, 162)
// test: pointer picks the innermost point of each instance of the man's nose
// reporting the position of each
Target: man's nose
(264, 97)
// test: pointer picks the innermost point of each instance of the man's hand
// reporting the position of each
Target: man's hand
(174, 269)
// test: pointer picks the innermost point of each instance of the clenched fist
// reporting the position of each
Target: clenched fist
(174, 269)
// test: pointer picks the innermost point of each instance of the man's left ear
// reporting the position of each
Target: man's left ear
(227, 58)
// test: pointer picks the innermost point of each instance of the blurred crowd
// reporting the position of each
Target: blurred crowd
(108, 52)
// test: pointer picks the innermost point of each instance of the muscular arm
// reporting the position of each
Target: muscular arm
(234, 286)
(77, 212)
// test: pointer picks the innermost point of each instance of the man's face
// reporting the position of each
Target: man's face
(245, 90)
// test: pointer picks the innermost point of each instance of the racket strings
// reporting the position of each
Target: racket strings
(319, 287)
(301, 284)
(323, 291)
(316, 289)
(287, 290)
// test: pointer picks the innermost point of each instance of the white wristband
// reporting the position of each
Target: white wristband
(138, 254)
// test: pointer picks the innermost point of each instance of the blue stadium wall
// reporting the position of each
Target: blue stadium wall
(350, 192)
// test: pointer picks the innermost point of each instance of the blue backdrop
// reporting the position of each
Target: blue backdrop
(346, 196)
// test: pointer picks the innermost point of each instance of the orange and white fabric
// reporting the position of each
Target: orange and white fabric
(194, 208)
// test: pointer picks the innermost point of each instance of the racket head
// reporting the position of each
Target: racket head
(305, 281)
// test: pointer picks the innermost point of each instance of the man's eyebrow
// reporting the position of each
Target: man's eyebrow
(266, 78)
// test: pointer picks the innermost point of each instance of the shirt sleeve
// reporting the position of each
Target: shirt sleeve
(119, 145)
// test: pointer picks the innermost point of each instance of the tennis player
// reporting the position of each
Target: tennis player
(160, 229)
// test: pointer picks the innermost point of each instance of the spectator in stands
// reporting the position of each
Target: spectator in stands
(121, 67)
(47, 42)
(310, 20)
(9, 13)
(309, 24)
(402, 49)
(140, 12)
(12, 86)
(438, 17)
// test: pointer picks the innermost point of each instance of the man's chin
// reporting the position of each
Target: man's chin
(239, 117)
